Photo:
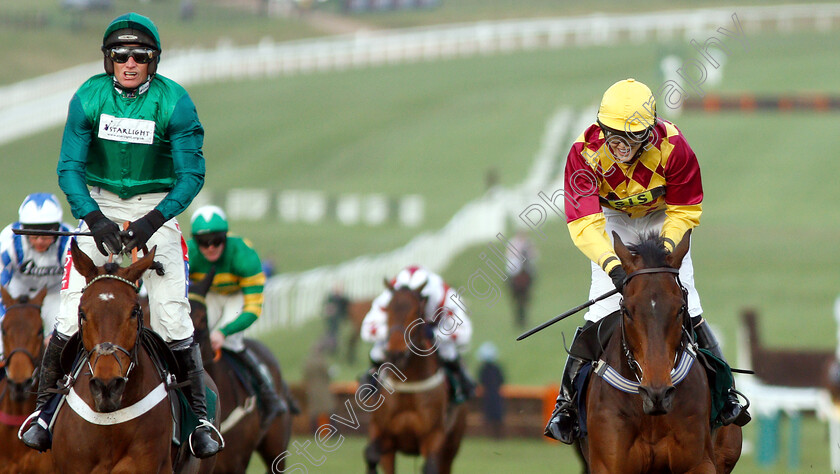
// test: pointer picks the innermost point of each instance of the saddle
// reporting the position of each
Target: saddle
(246, 379)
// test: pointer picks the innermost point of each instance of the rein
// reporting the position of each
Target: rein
(685, 357)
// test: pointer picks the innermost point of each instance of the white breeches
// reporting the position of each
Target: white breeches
(170, 309)
(223, 309)
(631, 232)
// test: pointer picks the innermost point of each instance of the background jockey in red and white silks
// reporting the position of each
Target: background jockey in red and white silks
(444, 309)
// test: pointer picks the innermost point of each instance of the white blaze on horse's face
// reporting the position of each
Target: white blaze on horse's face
(106, 296)
(652, 305)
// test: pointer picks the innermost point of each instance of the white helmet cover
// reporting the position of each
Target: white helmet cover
(40, 208)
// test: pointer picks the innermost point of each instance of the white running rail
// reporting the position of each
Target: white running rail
(33, 105)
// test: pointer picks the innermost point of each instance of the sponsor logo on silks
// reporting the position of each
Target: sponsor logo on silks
(646, 197)
(126, 129)
(68, 265)
(185, 250)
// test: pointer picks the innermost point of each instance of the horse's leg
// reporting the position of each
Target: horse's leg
(455, 429)
(728, 441)
(431, 448)
(373, 455)
(581, 452)
(275, 441)
(389, 462)
(706, 467)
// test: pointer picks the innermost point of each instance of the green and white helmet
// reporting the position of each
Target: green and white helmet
(131, 28)
(208, 220)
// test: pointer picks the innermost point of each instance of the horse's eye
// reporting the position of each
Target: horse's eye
(81, 314)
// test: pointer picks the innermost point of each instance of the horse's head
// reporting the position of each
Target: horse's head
(23, 341)
(198, 313)
(653, 316)
(110, 319)
(408, 331)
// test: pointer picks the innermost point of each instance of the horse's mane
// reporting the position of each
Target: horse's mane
(651, 249)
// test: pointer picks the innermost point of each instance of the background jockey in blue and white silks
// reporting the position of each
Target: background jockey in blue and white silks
(444, 309)
(30, 263)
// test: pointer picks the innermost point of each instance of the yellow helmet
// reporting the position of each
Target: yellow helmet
(627, 106)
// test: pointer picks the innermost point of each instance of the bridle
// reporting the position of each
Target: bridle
(401, 357)
(686, 337)
(109, 348)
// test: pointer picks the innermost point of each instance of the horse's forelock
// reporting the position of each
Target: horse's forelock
(111, 268)
(652, 250)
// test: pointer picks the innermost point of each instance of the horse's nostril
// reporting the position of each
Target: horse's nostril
(97, 385)
(116, 386)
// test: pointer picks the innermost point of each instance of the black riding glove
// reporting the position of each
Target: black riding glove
(618, 276)
(139, 231)
(106, 233)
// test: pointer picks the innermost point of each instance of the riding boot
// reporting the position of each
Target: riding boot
(732, 411)
(201, 443)
(463, 388)
(273, 405)
(38, 435)
(294, 408)
(563, 424)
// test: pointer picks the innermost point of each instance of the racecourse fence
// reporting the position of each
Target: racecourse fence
(292, 299)
(32, 105)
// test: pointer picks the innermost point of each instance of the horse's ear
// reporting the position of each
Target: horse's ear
(419, 289)
(628, 261)
(38, 300)
(201, 288)
(136, 269)
(675, 258)
(84, 265)
(388, 284)
(7, 298)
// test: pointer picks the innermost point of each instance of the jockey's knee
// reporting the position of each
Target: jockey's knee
(377, 354)
(447, 351)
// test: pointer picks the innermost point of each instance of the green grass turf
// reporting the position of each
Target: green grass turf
(482, 455)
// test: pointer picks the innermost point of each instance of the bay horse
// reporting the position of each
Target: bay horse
(413, 415)
(23, 342)
(649, 410)
(240, 419)
(117, 416)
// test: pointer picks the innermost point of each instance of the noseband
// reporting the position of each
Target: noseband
(108, 348)
(628, 354)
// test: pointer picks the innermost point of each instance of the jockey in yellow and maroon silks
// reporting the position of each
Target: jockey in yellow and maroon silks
(631, 173)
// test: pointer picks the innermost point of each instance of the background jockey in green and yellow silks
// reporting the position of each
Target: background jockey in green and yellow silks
(235, 299)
